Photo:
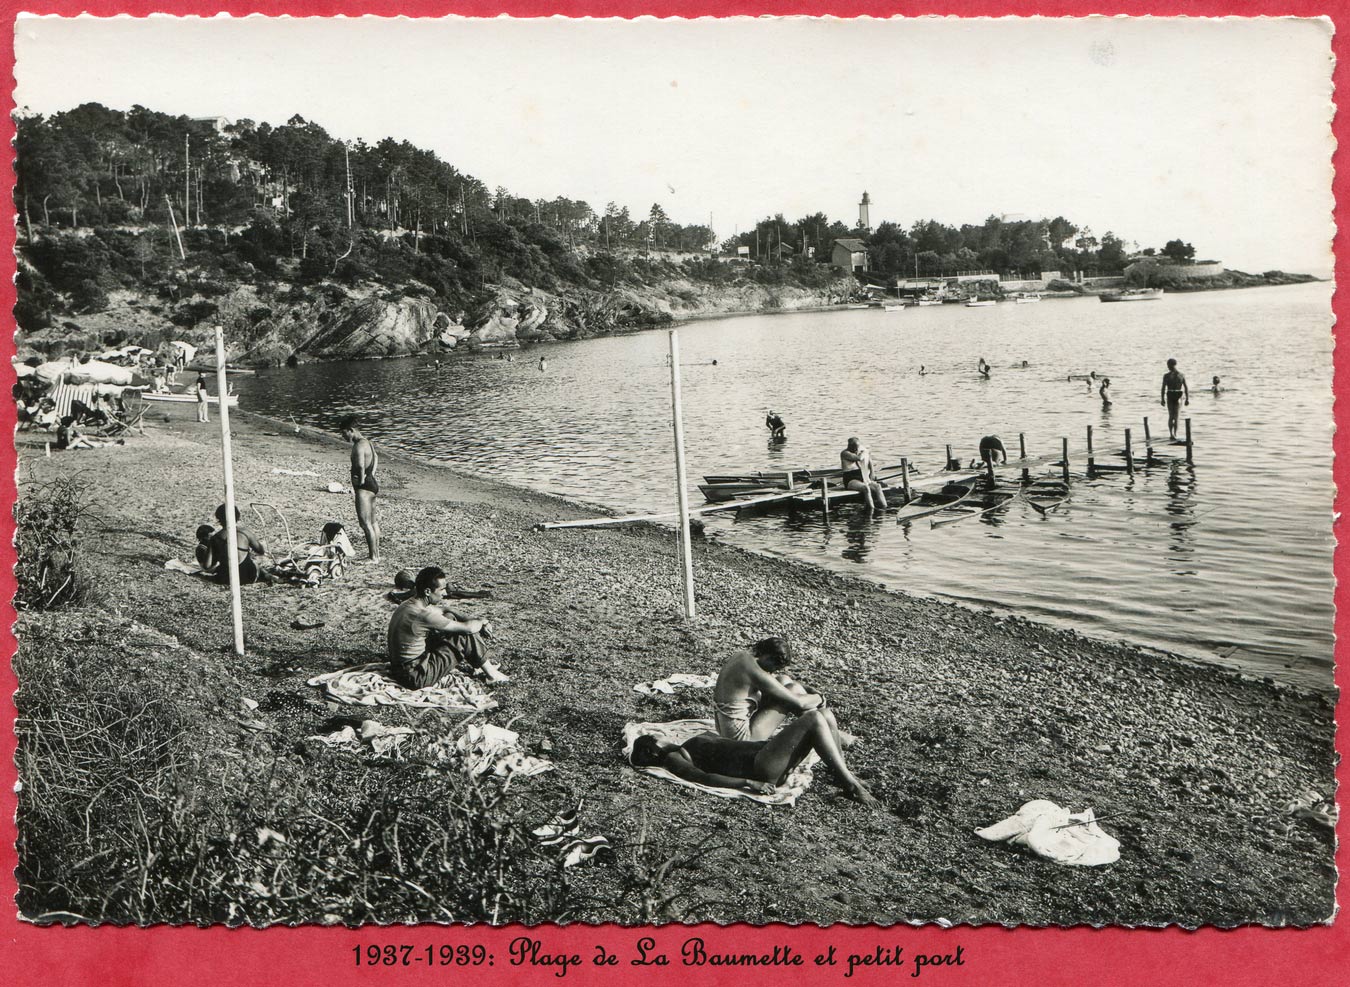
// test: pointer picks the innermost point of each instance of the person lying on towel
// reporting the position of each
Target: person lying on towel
(754, 694)
(213, 552)
(427, 638)
(754, 766)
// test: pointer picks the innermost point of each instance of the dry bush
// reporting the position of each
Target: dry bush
(49, 519)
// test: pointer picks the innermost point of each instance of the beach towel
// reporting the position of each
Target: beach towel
(1055, 833)
(370, 685)
(382, 740)
(678, 731)
(186, 568)
(678, 682)
(488, 749)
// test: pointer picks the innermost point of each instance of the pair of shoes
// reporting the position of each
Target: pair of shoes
(580, 851)
(560, 828)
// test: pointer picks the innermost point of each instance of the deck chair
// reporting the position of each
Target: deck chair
(132, 419)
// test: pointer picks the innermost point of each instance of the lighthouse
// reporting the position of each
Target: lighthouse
(864, 222)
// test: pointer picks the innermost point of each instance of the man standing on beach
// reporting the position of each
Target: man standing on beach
(364, 464)
(856, 462)
(202, 414)
(1173, 390)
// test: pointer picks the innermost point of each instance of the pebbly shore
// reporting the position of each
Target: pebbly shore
(964, 715)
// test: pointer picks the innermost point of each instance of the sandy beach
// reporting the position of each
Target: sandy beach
(964, 715)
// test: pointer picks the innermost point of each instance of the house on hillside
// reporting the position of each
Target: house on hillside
(218, 124)
(849, 254)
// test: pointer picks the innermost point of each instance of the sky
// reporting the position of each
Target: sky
(1217, 132)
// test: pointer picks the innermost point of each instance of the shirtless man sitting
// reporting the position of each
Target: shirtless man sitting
(755, 766)
(427, 638)
(754, 694)
(859, 475)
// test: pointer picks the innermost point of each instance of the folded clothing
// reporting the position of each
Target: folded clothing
(675, 683)
(370, 685)
(187, 568)
(487, 749)
(1055, 833)
(678, 731)
(384, 741)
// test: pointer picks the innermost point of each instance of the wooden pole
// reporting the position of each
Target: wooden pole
(1148, 442)
(1091, 460)
(1129, 454)
(187, 183)
(687, 558)
(949, 457)
(231, 537)
(989, 471)
(1190, 458)
(825, 497)
(1022, 447)
(904, 477)
(1065, 464)
(182, 254)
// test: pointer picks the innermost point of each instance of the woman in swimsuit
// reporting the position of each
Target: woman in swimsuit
(752, 765)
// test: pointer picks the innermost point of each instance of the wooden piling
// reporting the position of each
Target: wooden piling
(949, 457)
(989, 471)
(1129, 454)
(1064, 465)
(904, 477)
(825, 497)
(1190, 458)
(1148, 442)
(1091, 460)
(1022, 448)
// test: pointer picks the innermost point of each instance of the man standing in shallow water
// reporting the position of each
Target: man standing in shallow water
(364, 464)
(1173, 390)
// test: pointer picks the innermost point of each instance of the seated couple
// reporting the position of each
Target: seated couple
(749, 752)
(427, 638)
(213, 552)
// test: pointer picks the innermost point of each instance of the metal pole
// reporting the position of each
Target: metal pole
(1190, 458)
(231, 536)
(686, 555)
(1129, 454)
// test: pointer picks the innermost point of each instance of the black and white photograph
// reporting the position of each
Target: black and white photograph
(747, 470)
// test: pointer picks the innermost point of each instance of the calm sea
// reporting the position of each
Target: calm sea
(1229, 560)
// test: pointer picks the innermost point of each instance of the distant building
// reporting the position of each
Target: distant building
(850, 253)
(864, 220)
(217, 123)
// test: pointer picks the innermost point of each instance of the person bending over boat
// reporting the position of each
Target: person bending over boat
(776, 426)
(213, 552)
(754, 694)
(992, 450)
(1174, 389)
(427, 639)
(752, 765)
(856, 462)
(365, 461)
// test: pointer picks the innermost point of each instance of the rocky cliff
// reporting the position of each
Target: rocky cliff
(330, 322)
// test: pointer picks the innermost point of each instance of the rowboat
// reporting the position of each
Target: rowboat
(1045, 497)
(722, 487)
(1131, 295)
(980, 303)
(1027, 299)
(892, 307)
(926, 504)
(1000, 498)
(232, 399)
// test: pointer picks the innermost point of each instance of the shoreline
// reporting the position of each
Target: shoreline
(965, 714)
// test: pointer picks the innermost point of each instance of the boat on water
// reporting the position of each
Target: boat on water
(926, 300)
(980, 303)
(892, 306)
(232, 400)
(1131, 295)
(859, 305)
(1027, 299)
(932, 502)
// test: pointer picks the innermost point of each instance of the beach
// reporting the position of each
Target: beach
(964, 714)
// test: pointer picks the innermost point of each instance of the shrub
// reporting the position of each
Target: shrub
(50, 572)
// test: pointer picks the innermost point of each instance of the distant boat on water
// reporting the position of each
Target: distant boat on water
(1028, 299)
(929, 300)
(1131, 295)
(980, 303)
(892, 306)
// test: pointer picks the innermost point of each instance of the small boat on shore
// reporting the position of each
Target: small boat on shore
(232, 400)
(892, 306)
(1030, 298)
(1131, 295)
(980, 303)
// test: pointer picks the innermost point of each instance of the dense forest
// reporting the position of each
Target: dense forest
(143, 201)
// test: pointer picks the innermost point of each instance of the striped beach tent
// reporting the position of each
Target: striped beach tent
(64, 394)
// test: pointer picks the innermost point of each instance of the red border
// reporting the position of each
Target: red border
(1105, 957)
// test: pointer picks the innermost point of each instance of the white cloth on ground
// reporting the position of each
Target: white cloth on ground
(678, 731)
(383, 740)
(187, 568)
(369, 684)
(678, 682)
(1055, 833)
(488, 749)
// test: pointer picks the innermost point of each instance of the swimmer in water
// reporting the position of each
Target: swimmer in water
(1216, 389)
(1106, 398)
(923, 371)
(983, 368)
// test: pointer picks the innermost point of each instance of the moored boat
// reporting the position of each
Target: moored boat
(1131, 295)
(929, 503)
(980, 303)
(158, 398)
(1030, 298)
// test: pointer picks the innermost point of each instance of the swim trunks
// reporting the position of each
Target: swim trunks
(370, 483)
(444, 652)
(733, 718)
